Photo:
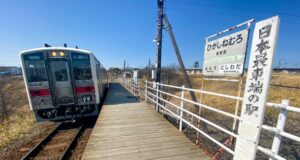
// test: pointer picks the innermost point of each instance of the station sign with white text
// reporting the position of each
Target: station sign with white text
(256, 88)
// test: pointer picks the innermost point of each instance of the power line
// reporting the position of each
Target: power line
(226, 14)
(234, 7)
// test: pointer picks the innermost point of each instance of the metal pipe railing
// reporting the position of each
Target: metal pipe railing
(202, 105)
(278, 130)
(194, 127)
(198, 117)
(131, 85)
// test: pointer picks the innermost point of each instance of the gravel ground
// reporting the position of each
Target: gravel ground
(20, 147)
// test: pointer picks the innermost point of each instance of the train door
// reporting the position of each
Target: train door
(62, 83)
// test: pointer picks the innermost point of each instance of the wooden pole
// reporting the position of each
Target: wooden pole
(199, 113)
(240, 86)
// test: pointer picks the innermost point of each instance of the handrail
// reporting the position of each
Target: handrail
(203, 133)
(204, 106)
(194, 115)
(284, 107)
(131, 85)
(269, 104)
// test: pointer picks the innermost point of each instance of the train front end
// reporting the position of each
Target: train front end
(60, 83)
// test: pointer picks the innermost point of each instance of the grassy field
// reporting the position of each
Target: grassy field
(276, 93)
(20, 120)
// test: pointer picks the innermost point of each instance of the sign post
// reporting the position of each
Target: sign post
(225, 56)
(256, 89)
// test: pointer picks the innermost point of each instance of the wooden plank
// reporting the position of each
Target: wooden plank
(114, 130)
(134, 125)
(189, 156)
(148, 154)
(118, 144)
(135, 137)
(133, 130)
(134, 121)
(139, 148)
(121, 118)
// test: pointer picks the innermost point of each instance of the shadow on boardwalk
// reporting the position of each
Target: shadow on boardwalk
(120, 97)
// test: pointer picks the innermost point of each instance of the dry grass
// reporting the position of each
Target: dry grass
(17, 125)
(276, 94)
(20, 119)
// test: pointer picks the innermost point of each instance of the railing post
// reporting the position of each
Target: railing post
(145, 91)
(181, 107)
(280, 127)
(157, 88)
(137, 88)
(132, 85)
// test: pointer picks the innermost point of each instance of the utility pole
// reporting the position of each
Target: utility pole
(124, 74)
(182, 67)
(124, 66)
(158, 39)
(149, 70)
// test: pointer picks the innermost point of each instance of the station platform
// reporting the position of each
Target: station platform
(129, 129)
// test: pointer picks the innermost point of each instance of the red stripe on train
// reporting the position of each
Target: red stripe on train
(85, 89)
(40, 92)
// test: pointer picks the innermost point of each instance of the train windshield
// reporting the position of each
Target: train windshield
(35, 67)
(60, 70)
(81, 66)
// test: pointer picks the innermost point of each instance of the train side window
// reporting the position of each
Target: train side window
(35, 67)
(81, 66)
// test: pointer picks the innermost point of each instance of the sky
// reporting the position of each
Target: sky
(118, 30)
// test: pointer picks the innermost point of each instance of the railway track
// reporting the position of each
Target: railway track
(58, 143)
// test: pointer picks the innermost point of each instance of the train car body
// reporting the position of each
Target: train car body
(63, 83)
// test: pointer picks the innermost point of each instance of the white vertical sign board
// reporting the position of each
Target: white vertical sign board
(256, 89)
(135, 76)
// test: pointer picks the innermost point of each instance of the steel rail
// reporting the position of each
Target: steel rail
(37, 147)
(64, 155)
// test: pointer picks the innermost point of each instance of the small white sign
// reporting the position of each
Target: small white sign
(135, 76)
(257, 87)
(231, 68)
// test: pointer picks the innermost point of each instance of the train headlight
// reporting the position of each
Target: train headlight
(62, 53)
(53, 54)
(84, 98)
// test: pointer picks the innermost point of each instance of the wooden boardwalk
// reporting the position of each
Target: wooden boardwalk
(129, 129)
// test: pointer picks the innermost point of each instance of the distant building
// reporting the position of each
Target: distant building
(10, 70)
